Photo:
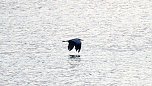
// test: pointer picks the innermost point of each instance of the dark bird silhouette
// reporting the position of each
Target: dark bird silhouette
(74, 42)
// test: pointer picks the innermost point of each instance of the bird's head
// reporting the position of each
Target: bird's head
(80, 39)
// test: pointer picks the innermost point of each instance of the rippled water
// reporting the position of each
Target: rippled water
(116, 51)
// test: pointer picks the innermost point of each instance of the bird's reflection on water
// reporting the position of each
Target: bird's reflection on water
(74, 56)
(74, 60)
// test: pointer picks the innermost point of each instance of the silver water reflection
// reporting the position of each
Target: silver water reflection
(116, 51)
(74, 60)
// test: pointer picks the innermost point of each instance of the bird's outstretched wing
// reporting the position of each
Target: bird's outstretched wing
(77, 44)
(78, 47)
(71, 45)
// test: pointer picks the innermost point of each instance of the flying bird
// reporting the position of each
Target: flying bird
(74, 43)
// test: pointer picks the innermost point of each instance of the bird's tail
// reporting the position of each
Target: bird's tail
(64, 41)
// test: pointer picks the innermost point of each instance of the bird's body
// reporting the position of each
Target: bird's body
(74, 43)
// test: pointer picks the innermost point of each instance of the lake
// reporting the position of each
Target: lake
(116, 51)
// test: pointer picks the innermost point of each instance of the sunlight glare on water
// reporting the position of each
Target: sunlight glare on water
(116, 50)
